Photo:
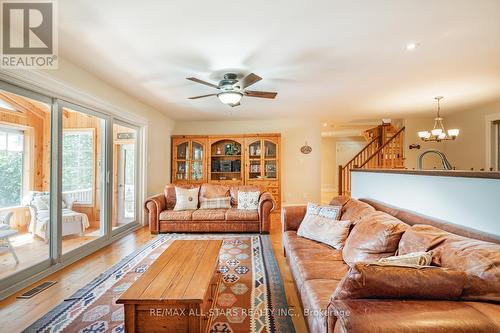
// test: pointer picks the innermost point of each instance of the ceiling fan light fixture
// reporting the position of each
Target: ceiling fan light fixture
(230, 97)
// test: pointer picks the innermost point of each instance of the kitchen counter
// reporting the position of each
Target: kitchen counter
(442, 173)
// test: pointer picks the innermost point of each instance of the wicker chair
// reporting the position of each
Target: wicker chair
(5, 233)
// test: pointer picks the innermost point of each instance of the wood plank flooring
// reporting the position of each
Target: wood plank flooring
(16, 315)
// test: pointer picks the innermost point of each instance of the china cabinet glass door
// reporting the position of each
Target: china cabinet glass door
(182, 157)
(197, 161)
(270, 163)
(254, 160)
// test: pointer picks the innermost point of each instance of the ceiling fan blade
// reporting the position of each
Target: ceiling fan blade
(233, 105)
(260, 94)
(202, 82)
(196, 97)
(248, 80)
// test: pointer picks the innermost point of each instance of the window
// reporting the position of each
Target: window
(11, 166)
(78, 165)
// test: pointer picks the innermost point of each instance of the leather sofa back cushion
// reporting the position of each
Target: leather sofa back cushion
(212, 191)
(244, 188)
(376, 236)
(354, 210)
(479, 259)
(170, 194)
(396, 282)
(340, 200)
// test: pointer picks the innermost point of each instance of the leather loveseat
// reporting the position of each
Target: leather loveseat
(162, 217)
(317, 270)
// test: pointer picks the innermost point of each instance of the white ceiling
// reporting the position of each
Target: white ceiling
(334, 60)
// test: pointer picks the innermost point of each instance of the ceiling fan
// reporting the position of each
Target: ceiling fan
(232, 89)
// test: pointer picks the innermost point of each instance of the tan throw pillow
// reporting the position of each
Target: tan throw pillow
(248, 200)
(324, 230)
(410, 259)
(215, 203)
(328, 211)
(186, 199)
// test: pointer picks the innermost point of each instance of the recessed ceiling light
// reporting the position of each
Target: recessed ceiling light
(325, 124)
(412, 46)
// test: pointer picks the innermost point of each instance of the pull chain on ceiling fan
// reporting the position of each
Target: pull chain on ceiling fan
(232, 89)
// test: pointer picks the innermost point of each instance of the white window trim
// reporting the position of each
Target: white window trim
(27, 173)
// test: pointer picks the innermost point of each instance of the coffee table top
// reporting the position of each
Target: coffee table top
(182, 273)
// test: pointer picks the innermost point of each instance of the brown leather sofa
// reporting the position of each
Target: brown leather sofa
(162, 217)
(317, 269)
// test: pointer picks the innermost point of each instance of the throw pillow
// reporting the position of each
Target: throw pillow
(186, 199)
(381, 281)
(331, 212)
(325, 230)
(215, 203)
(248, 200)
(412, 259)
(42, 202)
(376, 236)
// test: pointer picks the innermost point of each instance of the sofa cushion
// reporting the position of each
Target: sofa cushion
(211, 191)
(325, 230)
(354, 210)
(479, 259)
(315, 295)
(186, 199)
(376, 236)
(320, 269)
(176, 215)
(234, 214)
(248, 200)
(169, 192)
(209, 215)
(243, 188)
(295, 242)
(215, 203)
(340, 200)
(385, 281)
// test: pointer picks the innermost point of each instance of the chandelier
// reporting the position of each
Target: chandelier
(438, 133)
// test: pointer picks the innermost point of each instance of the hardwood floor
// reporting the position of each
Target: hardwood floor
(16, 315)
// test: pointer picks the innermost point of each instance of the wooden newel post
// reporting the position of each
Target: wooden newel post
(341, 177)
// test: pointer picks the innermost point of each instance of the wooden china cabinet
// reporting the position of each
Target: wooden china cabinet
(246, 159)
(225, 162)
(262, 164)
(189, 160)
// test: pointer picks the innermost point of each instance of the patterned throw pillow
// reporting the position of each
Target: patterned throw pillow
(325, 230)
(186, 199)
(215, 203)
(248, 200)
(42, 202)
(410, 259)
(331, 212)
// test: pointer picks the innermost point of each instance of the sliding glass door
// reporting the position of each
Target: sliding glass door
(25, 182)
(124, 175)
(83, 167)
(69, 182)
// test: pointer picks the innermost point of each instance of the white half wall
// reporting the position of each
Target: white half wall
(471, 202)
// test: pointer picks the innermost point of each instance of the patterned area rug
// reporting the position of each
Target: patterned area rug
(251, 298)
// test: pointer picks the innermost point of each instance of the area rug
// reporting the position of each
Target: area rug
(251, 298)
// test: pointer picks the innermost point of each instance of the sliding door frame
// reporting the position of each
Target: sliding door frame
(30, 85)
(52, 257)
(138, 193)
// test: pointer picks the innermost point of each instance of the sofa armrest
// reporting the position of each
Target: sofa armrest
(395, 316)
(266, 206)
(153, 207)
(292, 216)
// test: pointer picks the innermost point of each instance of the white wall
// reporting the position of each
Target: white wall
(471, 202)
(159, 126)
(301, 181)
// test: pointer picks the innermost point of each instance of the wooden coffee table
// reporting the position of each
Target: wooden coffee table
(177, 292)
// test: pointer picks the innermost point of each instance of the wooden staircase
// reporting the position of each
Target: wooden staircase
(385, 150)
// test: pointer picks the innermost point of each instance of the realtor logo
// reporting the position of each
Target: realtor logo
(29, 38)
